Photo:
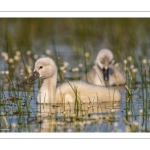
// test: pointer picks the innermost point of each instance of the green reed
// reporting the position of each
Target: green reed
(58, 63)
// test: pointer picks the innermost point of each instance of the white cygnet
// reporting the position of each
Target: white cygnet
(104, 72)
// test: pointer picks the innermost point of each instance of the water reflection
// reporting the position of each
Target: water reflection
(127, 115)
(68, 117)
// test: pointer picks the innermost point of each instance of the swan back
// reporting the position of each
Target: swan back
(85, 92)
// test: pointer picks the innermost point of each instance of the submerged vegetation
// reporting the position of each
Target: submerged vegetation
(73, 43)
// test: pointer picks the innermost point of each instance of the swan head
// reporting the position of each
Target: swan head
(44, 68)
(103, 61)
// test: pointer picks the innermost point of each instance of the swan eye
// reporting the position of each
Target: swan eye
(41, 67)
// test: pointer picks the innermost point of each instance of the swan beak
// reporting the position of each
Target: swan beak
(33, 77)
(106, 74)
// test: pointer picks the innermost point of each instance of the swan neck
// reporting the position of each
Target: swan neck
(50, 86)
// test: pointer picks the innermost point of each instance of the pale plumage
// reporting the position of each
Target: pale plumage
(104, 72)
(67, 92)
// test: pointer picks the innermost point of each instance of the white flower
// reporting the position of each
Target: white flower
(59, 128)
(89, 106)
(80, 65)
(141, 111)
(21, 70)
(18, 53)
(29, 69)
(129, 58)
(65, 64)
(117, 65)
(73, 115)
(2, 72)
(17, 58)
(48, 52)
(69, 130)
(7, 72)
(2, 113)
(135, 123)
(35, 56)
(128, 129)
(129, 113)
(125, 61)
(144, 61)
(95, 117)
(134, 70)
(63, 70)
(5, 55)
(86, 54)
(10, 60)
(116, 124)
(13, 125)
(132, 66)
(112, 110)
(28, 52)
(75, 69)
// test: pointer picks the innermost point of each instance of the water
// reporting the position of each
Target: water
(121, 116)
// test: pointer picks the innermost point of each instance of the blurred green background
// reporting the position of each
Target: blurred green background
(37, 34)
